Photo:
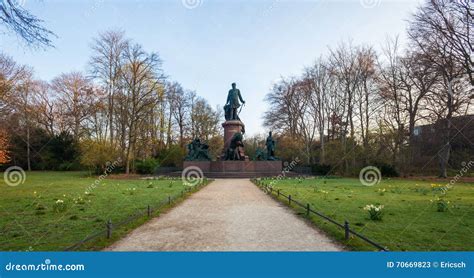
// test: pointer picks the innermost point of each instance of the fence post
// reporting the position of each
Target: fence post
(149, 211)
(278, 192)
(289, 199)
(307, 209)
(346, 230)
(169, 200)
(109, 228)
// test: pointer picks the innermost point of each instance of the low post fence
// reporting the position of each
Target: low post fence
(148, 211)
(347, 230)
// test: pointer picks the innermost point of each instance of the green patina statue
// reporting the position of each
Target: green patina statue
(233, 103)
(236, 148)
(269, 153)
(197, 151)
(270, 144)
(260, 154)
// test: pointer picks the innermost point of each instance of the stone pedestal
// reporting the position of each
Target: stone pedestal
(231, 127)
(238, 169)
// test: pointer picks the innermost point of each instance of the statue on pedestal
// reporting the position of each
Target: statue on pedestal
(236, 148)
(233, 103)
(270, 144)
(260, 154)
(197, 151)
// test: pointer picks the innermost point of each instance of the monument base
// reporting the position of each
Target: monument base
(237, 169)
(230, 128)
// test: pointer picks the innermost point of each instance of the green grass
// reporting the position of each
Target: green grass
(28, 220)
(411, 222)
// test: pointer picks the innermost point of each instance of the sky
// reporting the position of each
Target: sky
(208, 44)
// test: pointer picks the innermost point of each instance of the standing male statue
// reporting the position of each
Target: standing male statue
(233, 103)
(270, 144)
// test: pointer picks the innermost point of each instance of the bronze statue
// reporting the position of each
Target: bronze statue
(236, 148)
(260, 154)
(270, 144)
(232, 103)
(198, 151)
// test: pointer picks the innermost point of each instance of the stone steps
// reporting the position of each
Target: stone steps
(241, 175)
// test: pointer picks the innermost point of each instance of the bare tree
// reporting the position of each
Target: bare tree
(30, 28)
(45, 106)
(391, 94)
(284, 112)
(75, 93)
(441, 30)
(106, 64)
(447, 24)
(344, 63)
(366, 91)
(11, 76)
(321, 85)
(179, 100)
(16, 100)
(141, 76)
(418, 79)
(24, 107)
(206, 120)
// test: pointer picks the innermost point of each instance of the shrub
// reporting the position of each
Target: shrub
(441, 204)
(69, 166)
(96, 154)
(320, 169)
(172, 157)
(146, 166)
(375, 211)
(387, 170)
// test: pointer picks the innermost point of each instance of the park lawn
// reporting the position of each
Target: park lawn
(28, 220)
(410, 220)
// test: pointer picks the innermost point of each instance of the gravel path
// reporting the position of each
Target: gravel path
(227, 215)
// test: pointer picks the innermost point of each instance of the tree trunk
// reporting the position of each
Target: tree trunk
(28, 147)
(446, 151)
(111, 118)
(323, 152)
